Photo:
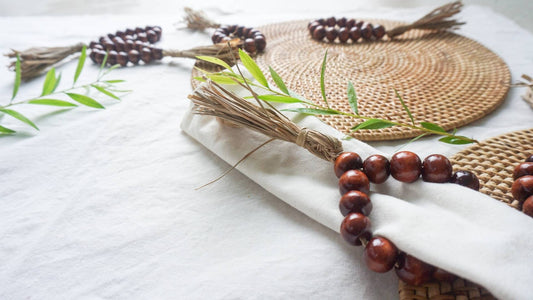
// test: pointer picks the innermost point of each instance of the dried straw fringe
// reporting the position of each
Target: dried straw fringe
(213, 100)
(36, 61)
(436, 20)
(197, 20)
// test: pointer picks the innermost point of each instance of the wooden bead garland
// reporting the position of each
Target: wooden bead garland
(522, 188)
(344, 30)
(252, 39)
(380, 254)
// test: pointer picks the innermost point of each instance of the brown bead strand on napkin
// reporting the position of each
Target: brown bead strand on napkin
(345, 30)
(522, 188)
(250, 39)
(380, 254)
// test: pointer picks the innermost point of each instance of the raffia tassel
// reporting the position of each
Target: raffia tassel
(36, 61)
(197, 20)
(213, 100)
(224, 51)
(436, 20)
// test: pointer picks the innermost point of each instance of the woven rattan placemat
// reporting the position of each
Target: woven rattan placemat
(443, 77)
(493, 161)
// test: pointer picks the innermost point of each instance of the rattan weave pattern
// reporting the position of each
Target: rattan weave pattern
(443, 77)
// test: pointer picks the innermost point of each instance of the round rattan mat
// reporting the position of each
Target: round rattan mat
(443, 77)
(493, 161)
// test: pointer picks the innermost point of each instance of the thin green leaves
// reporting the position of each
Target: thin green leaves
(104, 91)
(50, 82)
(279, 82)
(374, 124)
(457, 140)
(81, 63)
(313, 111)
(18, 116)
(85, 100)
(432, 126)
(17, 78)
(5, 130)
(52, 102)
(253, 68)
(279, 99)
(322, 77)
(405, 107)
(352, 98)
(216, 61)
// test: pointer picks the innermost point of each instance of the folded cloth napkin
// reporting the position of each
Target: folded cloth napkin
(455, 228)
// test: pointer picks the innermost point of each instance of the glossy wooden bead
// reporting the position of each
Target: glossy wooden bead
(377, 168)
(99, 56)
(152, 36)
(128, 37)
(319, 33)
(442, 275)
(354, 180)
(146, 55)
(108, 45)
(342, 22)
(413, 271)
(122, 58)
(350, 23)
(331, 21)
(224, 29)
(158, 31)
(405, 166)
(157, 53)
(355, 202)
(134, 56)
(527, 206)
(522, 188)
(529, 158)
(246, 32)
(466, 178)
(321, 21)
(366, 31)
(93, 43)
(110, 36)
(312, 26)
(523, 169)
(98, 46)
(355, 33)
(238, 30)
(359, 23)
(249, 45)
(347, 161)
(92, 55)
(354, 226)
(231, 28)
(331, 33)
(128, 45)
(344, 35)
(139, 30)
(119, 44)
(139, 46)
(142, 37)
(112, 57)
(378, 31)
(436, 168)
(130, 31)
(380, 254)
(260, 43)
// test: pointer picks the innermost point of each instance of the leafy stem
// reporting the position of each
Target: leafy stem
(49, 94)
(283, 95)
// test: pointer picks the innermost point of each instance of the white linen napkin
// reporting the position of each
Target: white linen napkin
(455, 228)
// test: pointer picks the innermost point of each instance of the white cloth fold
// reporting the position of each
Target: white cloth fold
(446, 225)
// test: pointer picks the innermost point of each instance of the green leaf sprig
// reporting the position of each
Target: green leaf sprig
(49, 95)
(284, 95)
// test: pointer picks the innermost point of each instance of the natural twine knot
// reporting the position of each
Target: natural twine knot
(321, 145)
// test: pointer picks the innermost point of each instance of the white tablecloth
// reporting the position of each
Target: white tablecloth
(101, 204)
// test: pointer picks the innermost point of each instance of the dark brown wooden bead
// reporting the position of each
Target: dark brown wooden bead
(413, 271)
(359, 23)
(99, 56)
(331, 33)
(319, 33)
(108, 46)
(355, 34)
(142, 37)
(130, 31)
(139, 30)
(344, 35)
(354, 180)
(466, 178)
(158, 31)
(321, 21)
(146, 55)
(246, 32)
(523, 169)
(120, 34)
(312, 26)
(442, 275)
(112, 57)
(366, 31)
(128, 37)
(529, 158)
(354, 226)
(378, 32)
(238, 31)
(355, 201)
(128, 45)
(139, 46)
(376, 168)
(342, 22)
(152, 36)
(122, 58)
(347, 161)
(331, 21)
(249, 45)
(350, 23)
(157, 53)
(231, 28)
(380, 254)
(134, 56)
(437, 168)
(110, 36)
(405, 166)
(92, 55)
(225, 39)
(98, 46)
(119, 44)
(522, 188)
(224, 29)
(260, 43)
(93, 43)
(527, 206)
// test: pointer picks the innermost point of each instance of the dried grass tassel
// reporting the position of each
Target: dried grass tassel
(213, 100)
(436, 19)
(224, 51)
(36, 61)
(197, 20)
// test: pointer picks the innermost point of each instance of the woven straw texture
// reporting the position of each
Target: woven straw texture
(493, 161)
(443, 77)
